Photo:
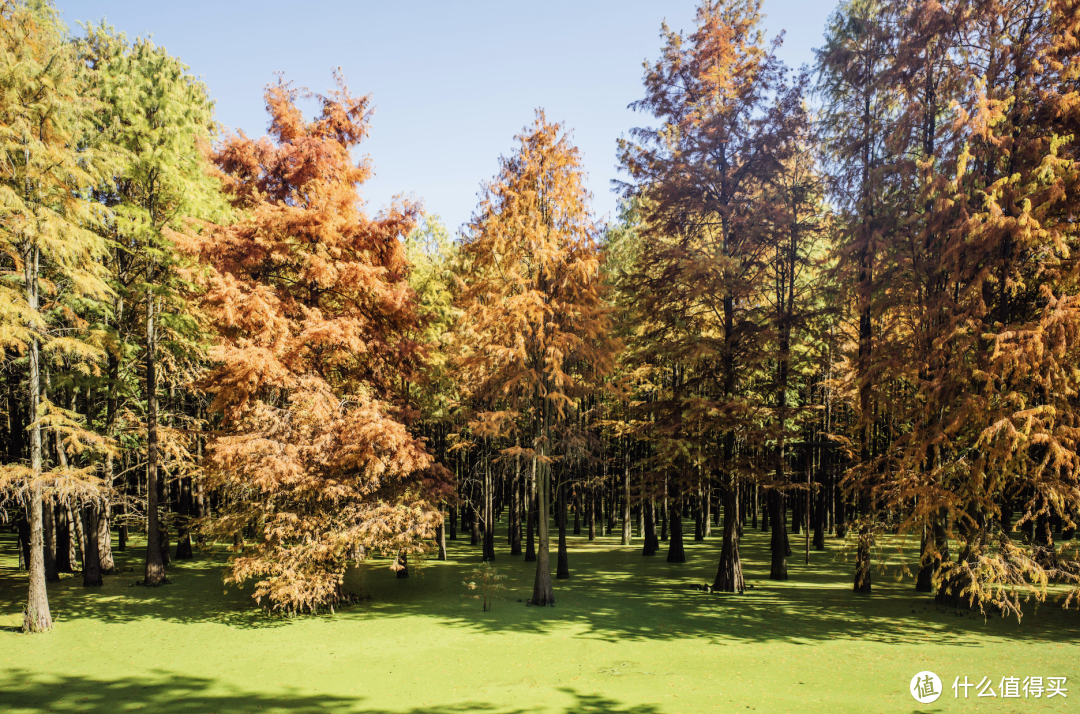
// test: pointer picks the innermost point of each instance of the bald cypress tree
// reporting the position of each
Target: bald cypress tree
(160, 119)
(534, 308)
(859, 105)
(701, 173)
(49, 161)
(316, 326)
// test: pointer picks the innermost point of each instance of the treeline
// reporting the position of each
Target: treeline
(839, 300)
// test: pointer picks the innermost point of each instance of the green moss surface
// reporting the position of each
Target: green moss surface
(627, 634)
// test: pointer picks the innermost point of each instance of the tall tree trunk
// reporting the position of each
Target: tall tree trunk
(474, 526)
(62, 537)
(706, 506)
(866, 541)
(613, 507)
(930, 559)
(590, 511)
(841, 514)
(651, 545)
(48, 509)
(489, 510)
(108, 564)
(626, 535)
(23, 527)
(440, 538)
(154, 573)
(78, 536)
(676, 552)
(543, 594)
(729, 574)
(104, 541)
(577, 512)
(562, 569)
(165, 500)
(754, 507)
(515, 510)
(695, 501)
(779, 542)
(819, 516)
(664, 516)
(530, 516)
(37, 617)
(91, 555)
(122, 529)
(183, 533)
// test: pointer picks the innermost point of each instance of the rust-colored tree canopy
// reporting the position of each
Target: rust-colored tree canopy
(313, 308)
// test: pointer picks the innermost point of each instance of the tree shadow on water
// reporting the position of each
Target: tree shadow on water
(616, 594)
(172, 693)
(196, 593)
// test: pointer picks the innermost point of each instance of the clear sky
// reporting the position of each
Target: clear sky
(452, 80)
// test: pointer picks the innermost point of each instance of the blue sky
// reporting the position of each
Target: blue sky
(452, 81)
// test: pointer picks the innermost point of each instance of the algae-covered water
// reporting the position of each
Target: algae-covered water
(627, 634)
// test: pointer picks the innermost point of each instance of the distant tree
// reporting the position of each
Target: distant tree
(432, 255)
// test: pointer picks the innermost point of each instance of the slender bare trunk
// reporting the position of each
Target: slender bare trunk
(37, 617)
(543, 594)
(676, 551)
(155, 566)
(91, 514)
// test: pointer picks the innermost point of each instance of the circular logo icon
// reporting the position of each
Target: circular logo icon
(925, 687)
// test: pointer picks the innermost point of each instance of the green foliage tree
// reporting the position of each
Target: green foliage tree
(160, 119)
(49, 162)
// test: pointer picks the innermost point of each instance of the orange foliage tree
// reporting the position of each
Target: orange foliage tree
(312, 304)
(706, 179)
(535, 321)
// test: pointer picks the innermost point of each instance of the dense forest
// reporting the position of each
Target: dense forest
(839, 301)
